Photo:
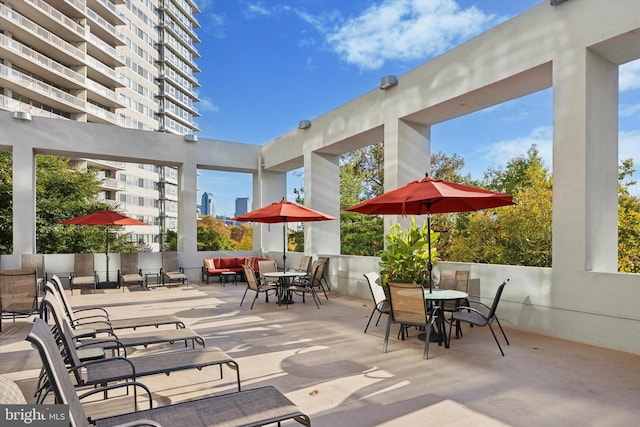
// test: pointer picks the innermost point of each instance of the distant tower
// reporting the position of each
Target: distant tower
(206, 206)
(242, 205)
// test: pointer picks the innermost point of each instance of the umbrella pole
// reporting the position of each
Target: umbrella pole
(106, 250)
(284, 246)
(429, 264)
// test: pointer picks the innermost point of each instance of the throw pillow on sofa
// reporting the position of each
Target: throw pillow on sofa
(209, 264)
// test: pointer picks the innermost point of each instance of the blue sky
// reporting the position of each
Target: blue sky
(266, 64)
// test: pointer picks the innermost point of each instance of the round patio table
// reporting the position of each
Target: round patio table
(438, 297)
(283, 283)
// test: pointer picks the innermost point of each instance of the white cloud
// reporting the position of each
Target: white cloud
(323, 22)
(256, 9)
(630, 76)
(204, 5)
(629, 110)
(404, 30)
(206, 104)
(213, 24)
(629, 145)
(501, 152)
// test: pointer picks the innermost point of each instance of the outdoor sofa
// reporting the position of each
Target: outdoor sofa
(216, 266)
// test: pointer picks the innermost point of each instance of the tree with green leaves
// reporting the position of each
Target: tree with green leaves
(214, 235)
(516, 235)
(513, 235)
(170, 243)
(447, 168)
(6, 203)
(361, 178)
(628, 221)
(62, 192)
(517, 174)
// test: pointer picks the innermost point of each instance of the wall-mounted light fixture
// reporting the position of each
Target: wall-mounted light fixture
(304, 124)
(22, 115)
(191, 138)
(388, 81)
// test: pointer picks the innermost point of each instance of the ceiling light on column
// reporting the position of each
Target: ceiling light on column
(304, 124)
(22, 115)
(388, 81)
(191, 138)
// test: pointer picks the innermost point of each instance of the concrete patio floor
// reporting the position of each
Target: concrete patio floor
(322, 361)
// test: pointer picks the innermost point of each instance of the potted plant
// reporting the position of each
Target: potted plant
(406, 255)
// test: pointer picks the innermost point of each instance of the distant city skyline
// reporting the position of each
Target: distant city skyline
(207, 206)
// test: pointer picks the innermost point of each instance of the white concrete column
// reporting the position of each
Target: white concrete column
(268, 187)
(24, 199)
(187, 202)
(585, 163)
(407, 157)
(601, 121)
(322, 193)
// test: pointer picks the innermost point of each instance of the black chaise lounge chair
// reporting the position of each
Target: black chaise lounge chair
(51, 305)
(106, 370)
(96, 317)
(256, 407)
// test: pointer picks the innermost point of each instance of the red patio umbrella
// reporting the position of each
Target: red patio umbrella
(283, 211)
(427, 196)
(107, 218)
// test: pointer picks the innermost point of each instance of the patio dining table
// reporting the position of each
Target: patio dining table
(439, 297)
(284, 278)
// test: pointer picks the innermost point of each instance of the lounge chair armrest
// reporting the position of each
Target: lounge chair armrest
(96, 343)
(120, 385)
(109, 360)
(110, 332)
(105, 312)
(140, 423)
(83, 332)
(92, 319)
(110, 335)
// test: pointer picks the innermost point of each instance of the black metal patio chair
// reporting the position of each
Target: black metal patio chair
(477, 317)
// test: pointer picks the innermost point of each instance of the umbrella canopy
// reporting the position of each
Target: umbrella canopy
(283, 211)
(105, 217)
(427, 196)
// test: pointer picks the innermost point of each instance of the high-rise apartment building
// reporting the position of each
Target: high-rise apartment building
(120, 62)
